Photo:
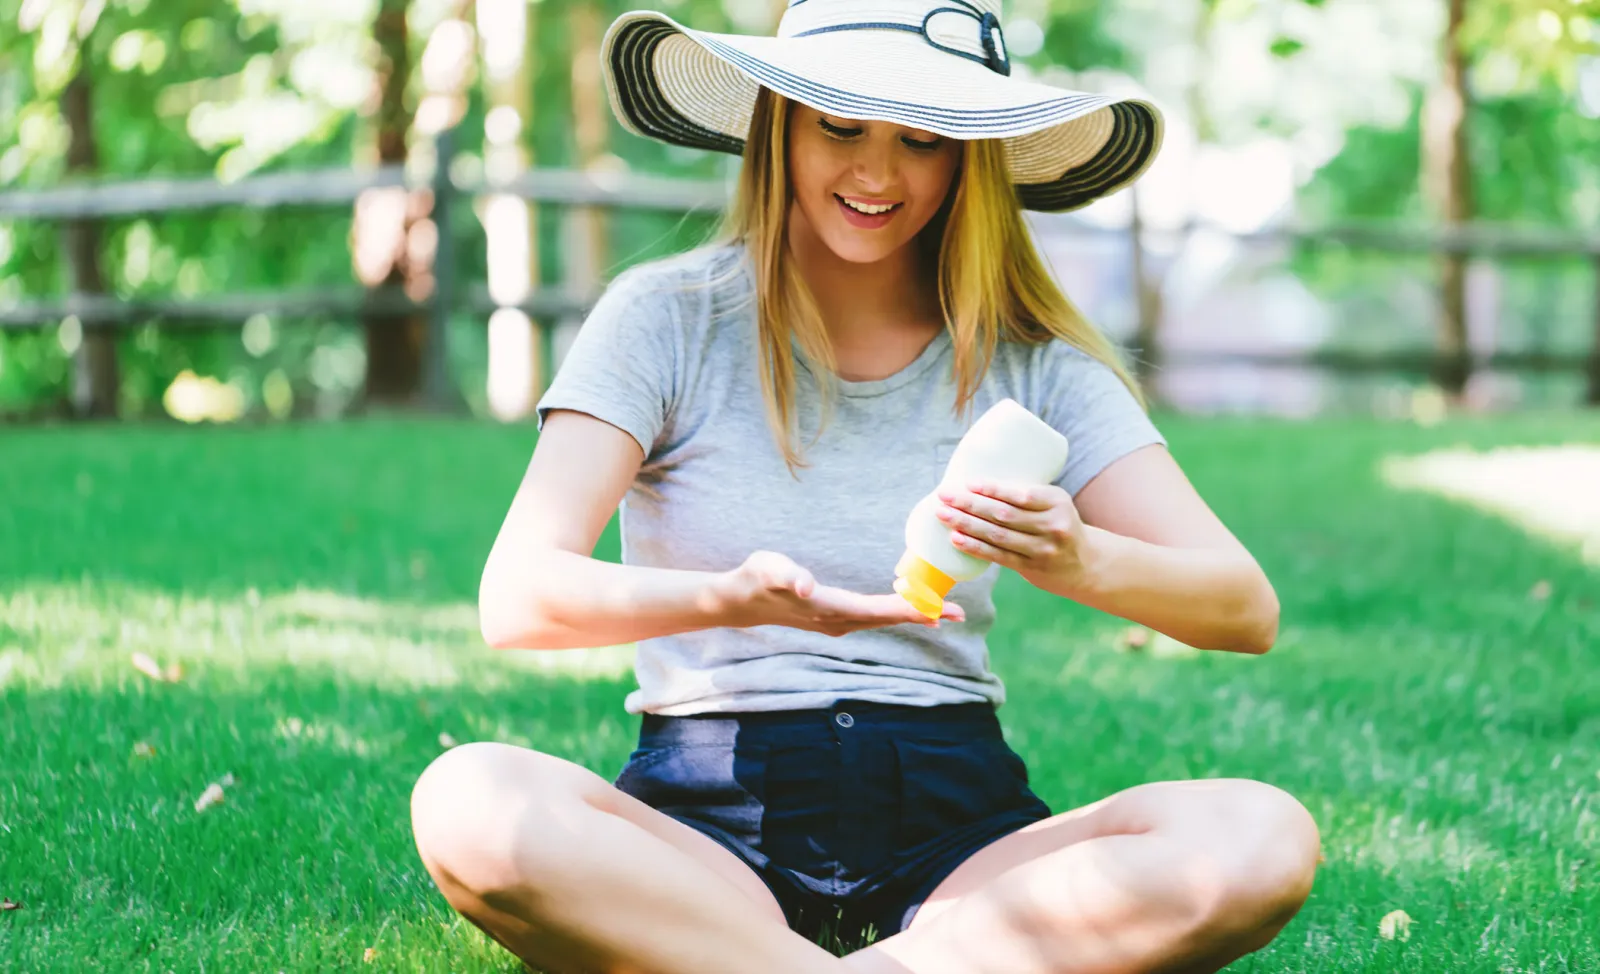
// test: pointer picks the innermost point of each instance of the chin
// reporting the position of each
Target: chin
(858, 248)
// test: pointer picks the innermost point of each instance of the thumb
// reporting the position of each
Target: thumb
(791, 576)
(803, 583)
(779, 571)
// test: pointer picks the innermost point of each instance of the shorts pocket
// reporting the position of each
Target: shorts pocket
(711, 783)
(947, 785)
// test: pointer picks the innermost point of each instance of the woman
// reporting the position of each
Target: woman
(815, 760)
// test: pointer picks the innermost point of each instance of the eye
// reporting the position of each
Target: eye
(921, 146)
(837, 131)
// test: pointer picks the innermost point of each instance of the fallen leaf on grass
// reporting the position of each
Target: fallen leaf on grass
(1395, 925)
(8, 904)
(213, 793)
(142, 749)
(211, 796)
(368, 954)
(1132, 639)
(446, 741)
(149, 667)
(1540, 591)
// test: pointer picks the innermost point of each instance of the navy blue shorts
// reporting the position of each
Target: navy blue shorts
(852, 814)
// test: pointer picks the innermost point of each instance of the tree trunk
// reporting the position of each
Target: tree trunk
(383, 221)
(1447, 174)
(584, 255)
(1592, 394)
(1149, 288)
(1147, 298)
(517, 365)
(94, 366)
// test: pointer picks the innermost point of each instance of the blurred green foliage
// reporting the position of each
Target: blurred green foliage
(233, 87)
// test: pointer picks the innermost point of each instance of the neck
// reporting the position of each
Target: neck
(857, 300)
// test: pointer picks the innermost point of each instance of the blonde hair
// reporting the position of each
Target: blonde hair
(992, 283)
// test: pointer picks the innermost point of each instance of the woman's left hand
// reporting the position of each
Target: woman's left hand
(1034, 530)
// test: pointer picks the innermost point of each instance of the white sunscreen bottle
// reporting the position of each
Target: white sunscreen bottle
(1007, 444)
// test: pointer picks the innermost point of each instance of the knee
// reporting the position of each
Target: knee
(480, 814)
(1263, 849)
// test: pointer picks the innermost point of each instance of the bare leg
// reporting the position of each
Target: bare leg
(576, 877)
(1169, 877)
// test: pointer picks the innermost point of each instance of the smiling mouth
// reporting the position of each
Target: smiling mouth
(869, 210)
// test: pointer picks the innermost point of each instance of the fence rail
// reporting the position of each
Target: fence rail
(331, 187)
(227, 310)
(621, 190)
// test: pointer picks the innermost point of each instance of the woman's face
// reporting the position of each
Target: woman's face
(839, 167)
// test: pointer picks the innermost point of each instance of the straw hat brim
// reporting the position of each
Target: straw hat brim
(1064, 149)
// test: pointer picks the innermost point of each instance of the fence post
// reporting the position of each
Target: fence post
(1146, 301)
(436, 389)
(1592, 397)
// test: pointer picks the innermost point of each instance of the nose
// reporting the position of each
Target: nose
(875, 165)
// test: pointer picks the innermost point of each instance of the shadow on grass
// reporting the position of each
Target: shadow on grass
(403, 509)
(312, 844)
(1439, 720)
(309, 860)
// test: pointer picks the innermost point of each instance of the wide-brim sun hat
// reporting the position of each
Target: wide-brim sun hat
(936, 65)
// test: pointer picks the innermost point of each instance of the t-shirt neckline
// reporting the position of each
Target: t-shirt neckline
(862, 388)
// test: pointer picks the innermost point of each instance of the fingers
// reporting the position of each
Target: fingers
(977, 547)
(992, 510)
(1028, 522)
(902, 611)
(969, 526)
(892, 610)
(1027, 497)
(838, 610)
(779, 572)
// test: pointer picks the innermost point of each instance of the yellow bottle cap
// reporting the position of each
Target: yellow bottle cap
(922, 585)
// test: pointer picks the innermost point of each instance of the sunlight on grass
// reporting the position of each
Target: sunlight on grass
(1432, 698)
(1392, 842)
(57, 635)
(1552, 492)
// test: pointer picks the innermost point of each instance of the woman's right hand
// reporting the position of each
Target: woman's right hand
(769, 589)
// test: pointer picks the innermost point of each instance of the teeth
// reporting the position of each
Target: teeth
(864, 208)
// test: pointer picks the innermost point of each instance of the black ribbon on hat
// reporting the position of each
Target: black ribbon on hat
(990, 37)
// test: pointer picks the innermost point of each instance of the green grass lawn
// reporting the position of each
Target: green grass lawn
(316, 583)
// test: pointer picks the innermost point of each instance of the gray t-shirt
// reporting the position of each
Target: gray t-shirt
(678, 369)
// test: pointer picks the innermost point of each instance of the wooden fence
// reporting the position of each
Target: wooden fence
(341, 187)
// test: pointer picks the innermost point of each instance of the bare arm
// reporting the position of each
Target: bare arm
(1156, 554)
(541, 589)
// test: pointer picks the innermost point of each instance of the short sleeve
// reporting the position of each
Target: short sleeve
(621, 366)
(1088, 403)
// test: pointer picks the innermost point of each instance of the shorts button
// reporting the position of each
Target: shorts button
(844, 720)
